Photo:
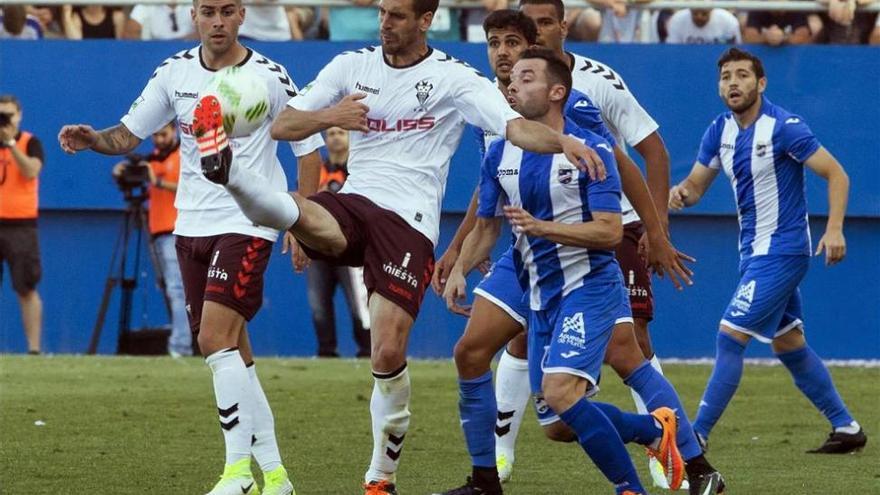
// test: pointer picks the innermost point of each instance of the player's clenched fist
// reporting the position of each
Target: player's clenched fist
(351, 114)
(678, 197)
(73, 138)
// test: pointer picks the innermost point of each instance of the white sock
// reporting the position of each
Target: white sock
(232, 392)
(512, 394)
(389, 409)
(261, 203)
(640, 404)
(265, 445)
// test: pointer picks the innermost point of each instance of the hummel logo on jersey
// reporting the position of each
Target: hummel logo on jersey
(792, 120)
(570, 354)
(366, 89)
(582, 104)
(186, 94)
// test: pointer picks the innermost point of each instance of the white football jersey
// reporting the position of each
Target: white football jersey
(417, 114)
(627, 121)
(204, 208)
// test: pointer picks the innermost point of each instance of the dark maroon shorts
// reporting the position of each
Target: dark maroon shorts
(226, 269)
(398, 260)
(636, 275)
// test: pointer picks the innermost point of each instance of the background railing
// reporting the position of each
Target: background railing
(746, 5)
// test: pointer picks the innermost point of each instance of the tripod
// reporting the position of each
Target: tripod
(134, 222)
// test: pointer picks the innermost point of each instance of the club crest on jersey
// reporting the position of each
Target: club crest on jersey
(423, 92)
(565, 175)
(761, 149)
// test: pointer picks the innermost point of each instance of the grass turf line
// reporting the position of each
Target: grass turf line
(121, 425)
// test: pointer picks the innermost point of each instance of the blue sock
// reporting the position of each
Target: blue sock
(602, 443)
(812, 378)
(722, 384)
(656, 391)
(638, 428)
(476, 406)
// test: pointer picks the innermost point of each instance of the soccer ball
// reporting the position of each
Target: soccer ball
(244, 99)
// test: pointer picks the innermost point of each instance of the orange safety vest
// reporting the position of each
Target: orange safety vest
(18, 194)
(162, 213)
(332, 180)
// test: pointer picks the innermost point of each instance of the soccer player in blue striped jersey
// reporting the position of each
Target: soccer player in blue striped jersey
(566, 227)
(763, 148)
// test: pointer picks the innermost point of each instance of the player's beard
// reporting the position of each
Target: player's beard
(748, 101)
(533, 110)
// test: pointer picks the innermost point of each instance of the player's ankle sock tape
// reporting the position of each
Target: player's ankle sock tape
(233, 398)
(722, 384)
(601, 442)
(261, 203)
(264, 445)
(813, 379)
(638, 428)
(477, 409)
(657, 392)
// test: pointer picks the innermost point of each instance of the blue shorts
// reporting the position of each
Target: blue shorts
(501, 287)
(767, 302)
(572, 336)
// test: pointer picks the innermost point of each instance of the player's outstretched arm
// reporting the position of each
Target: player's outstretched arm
(537, 137)
(689, 191)
(663, 258)
(653, 150)
(116, 140)
(477, 246)
(826, 166)
(447, 261)
(605, 231)
(295, 125)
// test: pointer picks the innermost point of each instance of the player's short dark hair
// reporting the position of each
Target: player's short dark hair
(735, 55)
(558, 71)
(557, 4)
(513, 20)
(11, 99)
(422, 7)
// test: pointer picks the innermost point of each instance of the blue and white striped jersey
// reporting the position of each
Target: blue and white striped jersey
(579, 108)
(765, 165)
(551, 188)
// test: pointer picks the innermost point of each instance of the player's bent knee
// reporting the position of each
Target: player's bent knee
(789, 341)
(518, 346)
(559, 432)
(561, 390)
(387, 357)
(469, 357)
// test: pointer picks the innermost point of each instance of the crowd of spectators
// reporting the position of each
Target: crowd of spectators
(606, 21)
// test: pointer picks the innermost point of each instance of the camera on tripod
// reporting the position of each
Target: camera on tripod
(134, 174)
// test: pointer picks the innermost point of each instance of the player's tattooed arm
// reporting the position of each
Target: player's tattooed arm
(116, 140)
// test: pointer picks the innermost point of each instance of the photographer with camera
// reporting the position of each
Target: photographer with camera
(21, 159)
(161, 170)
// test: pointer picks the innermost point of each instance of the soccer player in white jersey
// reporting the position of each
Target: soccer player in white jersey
(762, 149)
(222, 254)
(565, 227)
(407, 105)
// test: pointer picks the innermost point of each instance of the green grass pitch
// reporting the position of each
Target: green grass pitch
(142, 426)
